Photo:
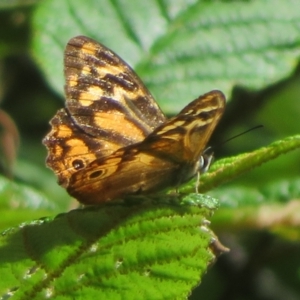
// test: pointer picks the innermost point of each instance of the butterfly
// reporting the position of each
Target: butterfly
(112, 140)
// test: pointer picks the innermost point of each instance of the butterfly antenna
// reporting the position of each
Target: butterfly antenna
(242, 133)
(210, 149)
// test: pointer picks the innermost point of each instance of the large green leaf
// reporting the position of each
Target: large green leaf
(141, 251)
(180, 50)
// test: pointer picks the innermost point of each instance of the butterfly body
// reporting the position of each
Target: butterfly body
(112, 140)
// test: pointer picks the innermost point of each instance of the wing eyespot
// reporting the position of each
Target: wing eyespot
(96, 174)
(78, 164)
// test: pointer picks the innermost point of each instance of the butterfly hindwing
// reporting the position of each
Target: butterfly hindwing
(69, 148)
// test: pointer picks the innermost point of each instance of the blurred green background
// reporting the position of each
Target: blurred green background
(248, 49)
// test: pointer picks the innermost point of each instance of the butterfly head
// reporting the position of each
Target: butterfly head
(206, 159)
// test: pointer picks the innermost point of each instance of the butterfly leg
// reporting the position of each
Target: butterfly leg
(197, 183)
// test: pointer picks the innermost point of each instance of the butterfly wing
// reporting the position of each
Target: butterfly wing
(107, 107)
(186, 135)
(167, 157)
(103, 90)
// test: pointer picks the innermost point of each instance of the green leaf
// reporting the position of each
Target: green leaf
(180, 50)
(138, 251)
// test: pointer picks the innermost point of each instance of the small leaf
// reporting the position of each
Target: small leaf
(17, 194)
(19, 202)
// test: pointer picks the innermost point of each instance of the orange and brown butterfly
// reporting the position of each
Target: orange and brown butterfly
(112, 140)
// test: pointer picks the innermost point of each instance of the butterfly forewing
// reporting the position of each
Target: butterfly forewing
(103, 90)
(167, 157)
(107, 108)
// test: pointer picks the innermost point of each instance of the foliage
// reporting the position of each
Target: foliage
(181, 49)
